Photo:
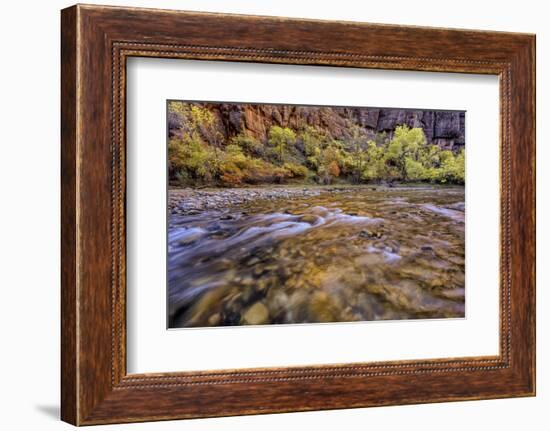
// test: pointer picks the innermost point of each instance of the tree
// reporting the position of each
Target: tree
(250, 145)
(312, 139)
(414, 170)
(358, 141)
(406, 143)
(460, 168)
(205, 121)
(281, 138)
(191, 159)
(333, 169)
(330, 160)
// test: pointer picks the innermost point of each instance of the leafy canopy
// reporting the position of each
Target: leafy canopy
(203, 154)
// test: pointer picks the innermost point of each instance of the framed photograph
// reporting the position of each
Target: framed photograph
(264, 214)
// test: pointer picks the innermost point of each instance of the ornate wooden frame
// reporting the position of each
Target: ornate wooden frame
(95, 43)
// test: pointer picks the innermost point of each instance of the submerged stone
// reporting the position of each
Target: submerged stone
(258, 314)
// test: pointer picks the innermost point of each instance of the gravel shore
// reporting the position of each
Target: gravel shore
(192, 201)
(189, 201)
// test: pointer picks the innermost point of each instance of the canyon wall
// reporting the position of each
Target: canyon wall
(443, 128)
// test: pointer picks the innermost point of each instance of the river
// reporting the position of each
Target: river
(338, 255)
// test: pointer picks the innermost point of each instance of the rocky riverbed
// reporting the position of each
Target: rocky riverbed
(307, 255)
(192, 201)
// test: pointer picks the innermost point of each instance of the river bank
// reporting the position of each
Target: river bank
(190, 201)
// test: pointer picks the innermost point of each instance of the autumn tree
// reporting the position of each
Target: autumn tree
(206, 122)
(280, 138)
(358, 143)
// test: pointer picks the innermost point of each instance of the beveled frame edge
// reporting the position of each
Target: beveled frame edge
(96, 41)
(121, 52)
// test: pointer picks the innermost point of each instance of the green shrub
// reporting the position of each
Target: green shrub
(249, 145)
(296, 170)
(414, 170)
(201, 154)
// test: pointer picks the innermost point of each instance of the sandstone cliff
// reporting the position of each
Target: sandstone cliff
(443, 128)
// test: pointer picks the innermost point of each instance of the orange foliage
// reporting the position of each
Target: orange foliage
(334, 169)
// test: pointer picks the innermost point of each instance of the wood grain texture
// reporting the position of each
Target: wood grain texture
(69, 397)
(96, 41)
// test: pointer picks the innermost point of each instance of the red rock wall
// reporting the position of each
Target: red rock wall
(443, 128)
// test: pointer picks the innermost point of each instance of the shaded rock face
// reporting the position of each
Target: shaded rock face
(443, 128)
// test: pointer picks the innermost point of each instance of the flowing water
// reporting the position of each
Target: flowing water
(344, 255)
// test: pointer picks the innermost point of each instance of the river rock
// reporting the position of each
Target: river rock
(191, 238)
(437, 283)
(258, 314)
(366, 233)
(214, 320)
(323, 308)
(253, 261)
(308, 218)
